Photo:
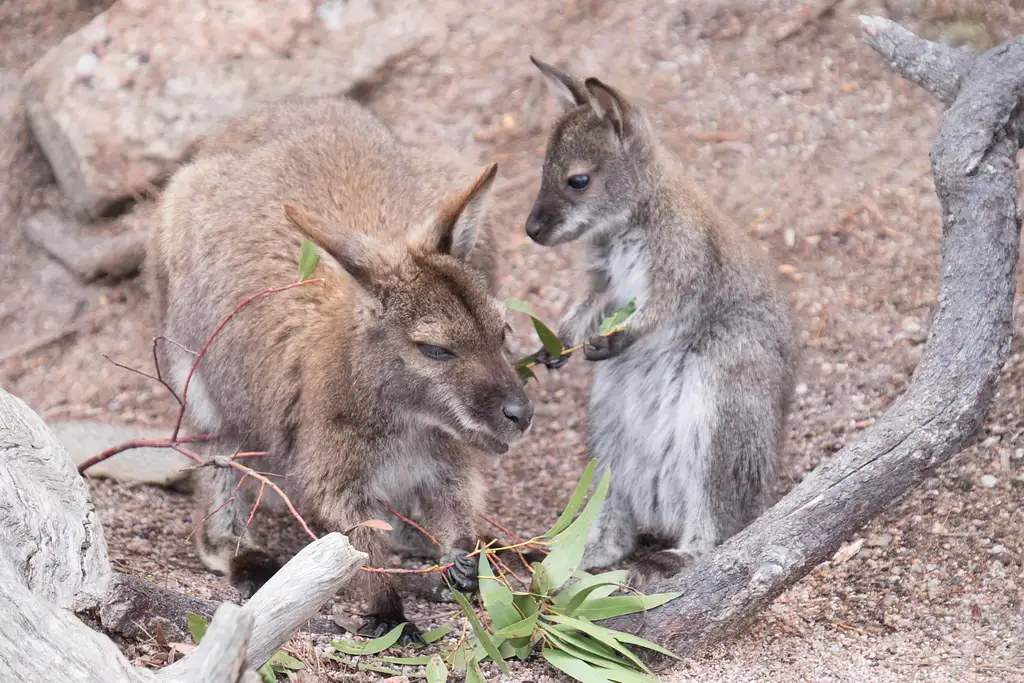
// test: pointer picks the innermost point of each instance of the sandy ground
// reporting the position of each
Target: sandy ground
(816, 148)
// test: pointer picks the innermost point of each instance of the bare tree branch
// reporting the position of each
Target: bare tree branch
(936, 68)
(974, 165)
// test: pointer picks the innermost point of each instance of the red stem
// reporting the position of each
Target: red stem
(142, 443)
(202, 351)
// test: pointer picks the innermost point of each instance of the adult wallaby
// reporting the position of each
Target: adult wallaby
(688, 404)
(387, 384)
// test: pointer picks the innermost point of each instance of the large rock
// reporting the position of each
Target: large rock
(119, 104)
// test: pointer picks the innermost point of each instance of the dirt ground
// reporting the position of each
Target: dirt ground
(813, 145)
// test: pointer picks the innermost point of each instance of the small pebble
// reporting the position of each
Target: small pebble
(988, 481)
(879, 540)
(801, 389)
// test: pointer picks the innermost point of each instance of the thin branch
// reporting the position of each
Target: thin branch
(213, 335)
(414, 525)
(142, 443)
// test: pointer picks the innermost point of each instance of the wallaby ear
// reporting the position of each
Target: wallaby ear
(569, 92)
(352, 250)
(608, 104)
(454, 230)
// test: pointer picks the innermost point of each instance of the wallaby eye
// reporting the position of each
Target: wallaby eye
(579, 182)
(434, 352)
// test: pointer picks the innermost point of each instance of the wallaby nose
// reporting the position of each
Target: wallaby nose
(519, 412)
(533, 224)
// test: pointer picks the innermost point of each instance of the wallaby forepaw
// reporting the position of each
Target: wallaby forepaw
(250, 569)
(603, 347)
(375, 626)
(462, 575)
(549, 361)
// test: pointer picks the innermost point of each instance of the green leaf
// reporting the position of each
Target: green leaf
(585, 594)
(369, 647)
(407, 661)
(480, 631)
(588, 650)
(541, 583)
(525, 604)
(575, 500)
(519, 629)
(436, 634)
(567, 625)
(267, 673)
(283, 660)
(579, 670)
(598, 586)
(496, 596)
(196, 626)
(601, 632)
(437, 672)
(474, 674)
(567, 547)
(548, 338)
(525, 373)
(385, 670)
(606, 608)
(308, 259)
(518, 305)
(609, 323)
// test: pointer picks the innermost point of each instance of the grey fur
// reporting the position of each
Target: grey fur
(688, 408)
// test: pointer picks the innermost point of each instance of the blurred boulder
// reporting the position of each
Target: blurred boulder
(119, 104)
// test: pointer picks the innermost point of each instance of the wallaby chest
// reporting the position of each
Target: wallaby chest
(624, 262)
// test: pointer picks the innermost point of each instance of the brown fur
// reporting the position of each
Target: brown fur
(332, 378)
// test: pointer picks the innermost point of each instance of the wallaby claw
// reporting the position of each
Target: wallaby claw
(462, 575)
(545, 359)
(601, 347)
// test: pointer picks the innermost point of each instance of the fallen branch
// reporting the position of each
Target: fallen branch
(974, 166)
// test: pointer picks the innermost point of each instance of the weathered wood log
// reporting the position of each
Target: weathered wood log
(53, 561)
(221, 657)
(974, 167)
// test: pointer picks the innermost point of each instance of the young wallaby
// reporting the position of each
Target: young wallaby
(688, 404)
(387, 384)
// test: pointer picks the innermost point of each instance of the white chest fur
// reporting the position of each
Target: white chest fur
(626, 263)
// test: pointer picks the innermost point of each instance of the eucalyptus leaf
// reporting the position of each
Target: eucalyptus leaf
(283, 660)
(602, 635)
(610, 323)
(615, 669)
(473, 673)
(549, 339)
(584, 595)
(407, 661)
(518, 305)
(576, 668)
(267, 673)
(600, 586)
(308, 260)
(619, 636)
(496, 596)
(196, 626)
(525, 373)
(436, 634)
(606, 608)
(370, 647)
(480, 631)
(520, 628)
(568, 546)
(575, 500)
(525, 604)
(437, 672)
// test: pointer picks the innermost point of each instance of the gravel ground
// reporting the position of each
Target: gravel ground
(808, 141)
